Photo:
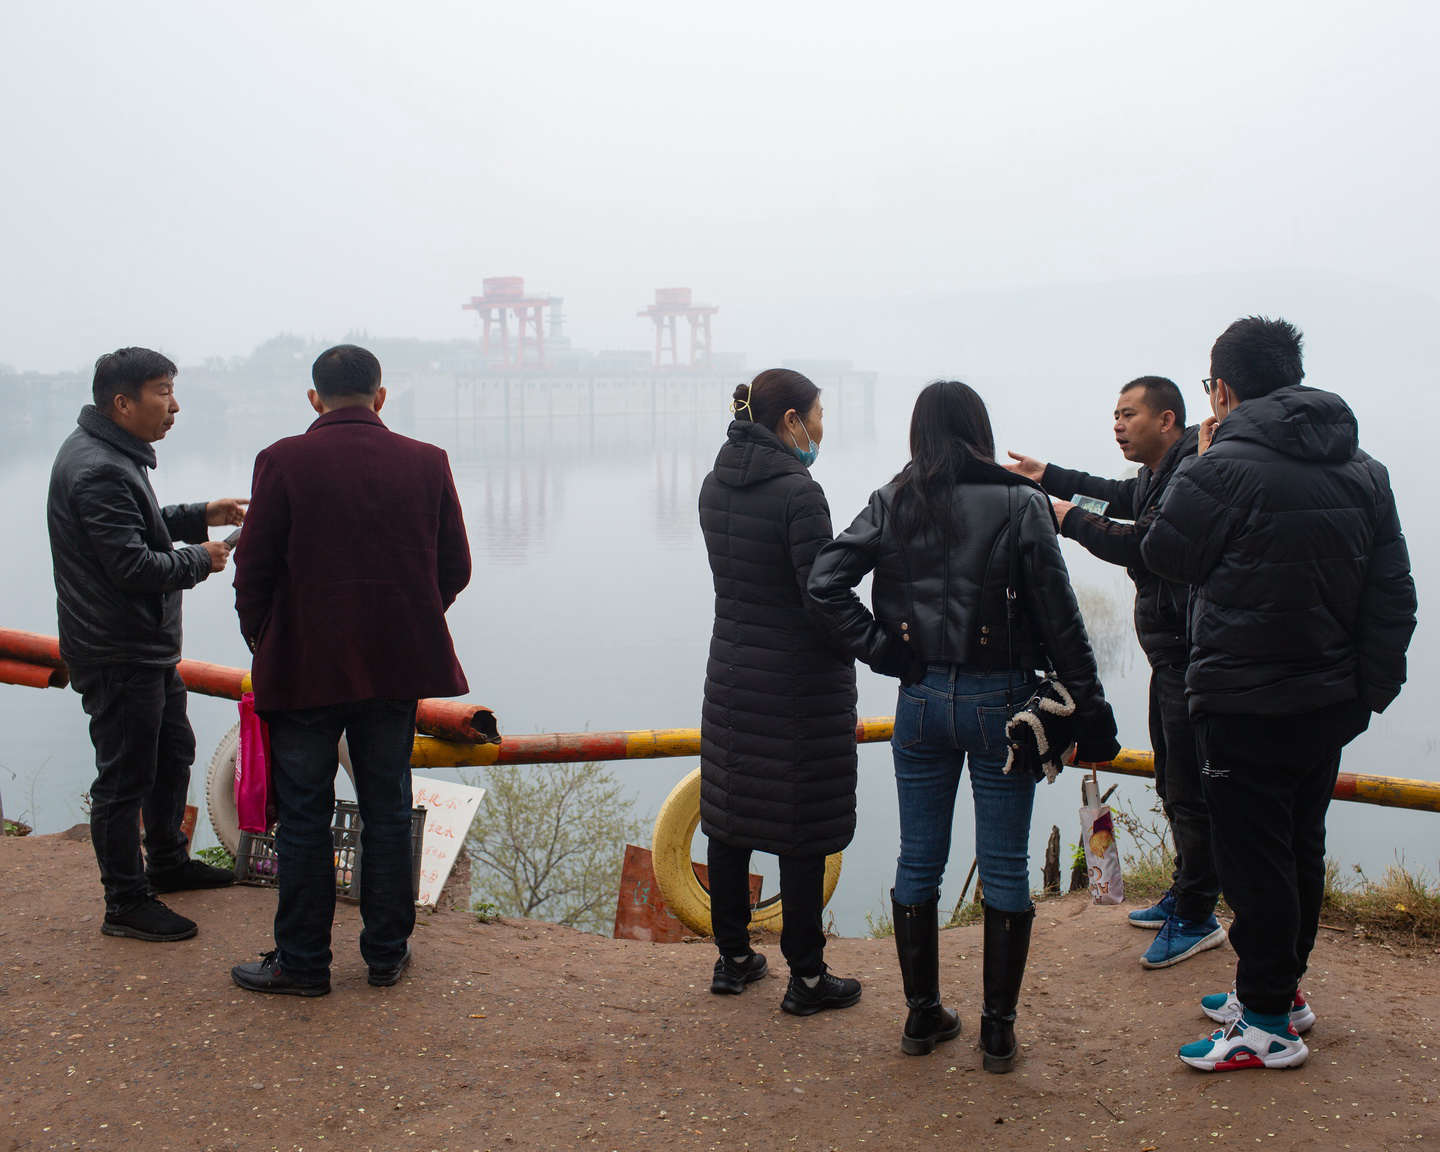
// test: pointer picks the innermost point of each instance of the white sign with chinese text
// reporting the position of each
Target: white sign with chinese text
(449, 809)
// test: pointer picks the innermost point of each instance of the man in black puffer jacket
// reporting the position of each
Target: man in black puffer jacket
(1150, 429)
(1302, 611)
(118, 581)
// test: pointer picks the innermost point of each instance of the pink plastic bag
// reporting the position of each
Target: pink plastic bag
(252, 769)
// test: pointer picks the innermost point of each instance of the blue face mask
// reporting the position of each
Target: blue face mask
(806, 456)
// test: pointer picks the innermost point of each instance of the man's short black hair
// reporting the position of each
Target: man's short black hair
(346, 370)
(122, 372)
(1257, 355)
(1161, 395)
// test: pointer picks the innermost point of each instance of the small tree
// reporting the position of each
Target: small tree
(550, 841)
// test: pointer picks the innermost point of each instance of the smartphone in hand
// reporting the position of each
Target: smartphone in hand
(1084, 503)
(233, 539)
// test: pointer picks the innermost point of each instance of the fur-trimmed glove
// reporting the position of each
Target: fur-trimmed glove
(1041, 731)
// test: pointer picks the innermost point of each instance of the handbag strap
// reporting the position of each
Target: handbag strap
(1012, 588)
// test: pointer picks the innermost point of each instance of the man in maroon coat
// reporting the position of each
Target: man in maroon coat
(354, 547)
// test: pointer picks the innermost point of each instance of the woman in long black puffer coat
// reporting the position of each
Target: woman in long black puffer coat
(777, 736)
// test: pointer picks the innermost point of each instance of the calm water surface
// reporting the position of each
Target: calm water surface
(590, 606)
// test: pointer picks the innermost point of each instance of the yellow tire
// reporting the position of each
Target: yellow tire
(686, 897)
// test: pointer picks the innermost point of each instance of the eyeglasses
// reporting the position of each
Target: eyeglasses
(1209, 384)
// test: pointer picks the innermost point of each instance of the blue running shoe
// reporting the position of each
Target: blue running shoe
(1180, 939)
(1242, 1044)
(1156, 915)
(1223, 1007)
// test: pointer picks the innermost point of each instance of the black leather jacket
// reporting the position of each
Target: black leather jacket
(118, 575)
(945, 600)
(1159, 603)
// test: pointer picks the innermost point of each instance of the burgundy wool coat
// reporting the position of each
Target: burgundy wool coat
(353, 548)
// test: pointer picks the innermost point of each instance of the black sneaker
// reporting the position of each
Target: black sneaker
(384, 975)
(147, 920)
(731, 976)
(191, 874)
(267, 976)
(829, 992)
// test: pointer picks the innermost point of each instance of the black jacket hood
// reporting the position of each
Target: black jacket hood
(753, 454)
(1304, 423)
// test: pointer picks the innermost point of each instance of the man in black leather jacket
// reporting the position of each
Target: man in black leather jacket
(1302, 611)
(1150, 430)
(118, 580)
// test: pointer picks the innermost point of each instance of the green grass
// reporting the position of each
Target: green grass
(1401, 901)
(880, 925)
(485, 912)
(217, 856)
(971, 912)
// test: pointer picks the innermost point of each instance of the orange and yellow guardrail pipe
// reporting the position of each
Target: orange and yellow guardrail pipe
(33, 660)
(454, 734)
(1364, 788)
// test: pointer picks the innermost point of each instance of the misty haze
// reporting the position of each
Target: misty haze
(1043, 203)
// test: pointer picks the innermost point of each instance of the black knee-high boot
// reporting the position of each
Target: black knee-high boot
(1007, 946)
(917, 942)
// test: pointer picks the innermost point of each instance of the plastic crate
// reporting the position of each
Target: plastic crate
(256, 862)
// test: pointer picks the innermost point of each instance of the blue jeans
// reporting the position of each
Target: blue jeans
(380, 734)
(955, 712)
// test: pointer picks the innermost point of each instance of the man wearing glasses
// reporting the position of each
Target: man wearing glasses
(1301, 613)
(1150, 431)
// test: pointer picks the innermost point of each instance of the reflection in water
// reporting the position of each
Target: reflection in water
(591, 601)
(678, 475)
(521, 439)
(1109, 624)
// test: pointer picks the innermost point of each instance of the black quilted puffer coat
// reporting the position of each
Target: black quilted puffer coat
(1288, 532)
(777, 735)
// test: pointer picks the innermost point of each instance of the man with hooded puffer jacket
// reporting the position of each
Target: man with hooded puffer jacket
(1302, 610)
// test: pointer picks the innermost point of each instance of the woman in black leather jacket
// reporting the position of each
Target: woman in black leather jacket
(939, 538)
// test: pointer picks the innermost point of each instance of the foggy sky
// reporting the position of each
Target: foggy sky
(198, 177)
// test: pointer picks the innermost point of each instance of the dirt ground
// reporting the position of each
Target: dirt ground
(518, 1035)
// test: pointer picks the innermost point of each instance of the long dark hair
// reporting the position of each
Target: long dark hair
(767, 398)
(949, 428)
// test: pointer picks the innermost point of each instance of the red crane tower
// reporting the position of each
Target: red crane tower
(505, 297)
(670, 304)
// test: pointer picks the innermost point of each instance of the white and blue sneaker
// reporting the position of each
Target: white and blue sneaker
(1180, 939)
(1154, 917)
(1225, 1007)
(1246, 1044)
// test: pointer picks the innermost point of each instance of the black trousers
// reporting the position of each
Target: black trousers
(1269, 780)
(1177, 782)
(380, 735)
(802, 893)
(144, 747)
